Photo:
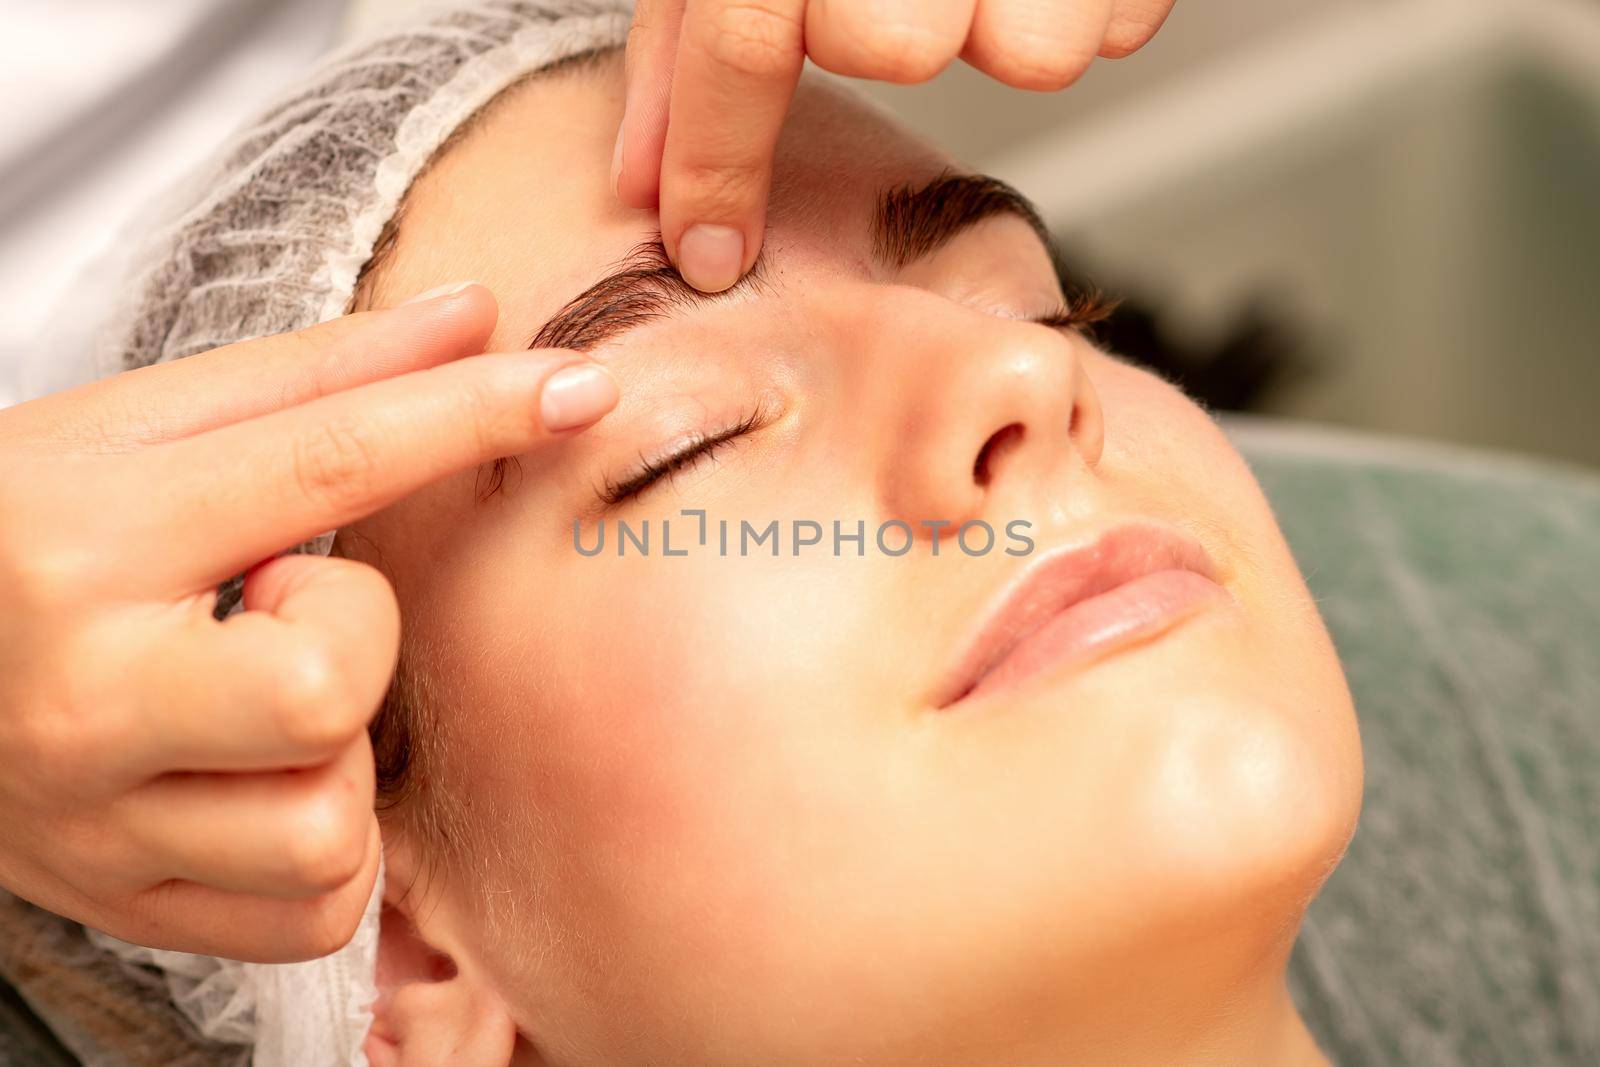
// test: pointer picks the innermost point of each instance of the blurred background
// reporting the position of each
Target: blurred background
(1377, 213)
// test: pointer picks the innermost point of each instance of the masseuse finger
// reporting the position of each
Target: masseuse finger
(172, 400)
(642, 136)
(295, 833)
(244, 492)
(288, 682)
(1037, 44)
(1133, 23)
(738, 63)
(892, 40)
(199, 918)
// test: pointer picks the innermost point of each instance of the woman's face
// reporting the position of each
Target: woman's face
(724, 810)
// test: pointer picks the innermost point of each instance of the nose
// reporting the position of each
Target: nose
(989, 410)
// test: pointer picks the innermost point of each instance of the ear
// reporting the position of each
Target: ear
(432, 1008)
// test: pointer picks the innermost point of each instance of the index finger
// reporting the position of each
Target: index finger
(166, 401)
(247, 491)
(738, 64)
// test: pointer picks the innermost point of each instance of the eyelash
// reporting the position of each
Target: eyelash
(1081, 309)
(697, 448)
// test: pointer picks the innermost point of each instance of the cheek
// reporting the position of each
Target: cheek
(637, 696)
(1165, 456)
(647, 755)
(1249, 768)
(1161, 445)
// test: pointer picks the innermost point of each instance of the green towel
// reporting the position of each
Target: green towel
(1463, 592)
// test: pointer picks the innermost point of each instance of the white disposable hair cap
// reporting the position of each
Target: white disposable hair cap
(269, 237)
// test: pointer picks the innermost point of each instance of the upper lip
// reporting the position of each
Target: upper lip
(1062, 577)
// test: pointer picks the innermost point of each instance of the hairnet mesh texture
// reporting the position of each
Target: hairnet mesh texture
(270, 236)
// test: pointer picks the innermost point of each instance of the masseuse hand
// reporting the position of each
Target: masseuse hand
(187, 783)
(709, 83)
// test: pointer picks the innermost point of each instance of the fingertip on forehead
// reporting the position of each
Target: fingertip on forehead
(520, 197)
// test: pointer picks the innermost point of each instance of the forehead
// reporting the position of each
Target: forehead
(522, 202)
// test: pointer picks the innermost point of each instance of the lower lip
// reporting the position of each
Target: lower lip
(1130, 614)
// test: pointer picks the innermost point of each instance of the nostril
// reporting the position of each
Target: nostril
(999, 443)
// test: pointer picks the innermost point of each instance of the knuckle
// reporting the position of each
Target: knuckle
(86, 841)
(49, 741)
(376, 593)
(335, 464)
(309, 342)
(60, 738)
(156, 915)
(44, 762)
(325, 934)
(328, 845)
(721, 190)
(382, 616)
(497, 428)
(314, 709)
(330, 924)
(42, 575)
(1043, 62)
(899, 50)
(754, 39)
(137, 922)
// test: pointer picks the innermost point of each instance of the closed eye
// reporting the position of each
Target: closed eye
(1079, 311)
(697, 448)
(1082, 309)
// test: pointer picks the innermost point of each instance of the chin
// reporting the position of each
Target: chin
(1243, 773)
(1247, 810)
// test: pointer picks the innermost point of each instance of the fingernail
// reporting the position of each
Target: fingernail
(434, 294)
(711, 258)
(576, 396)
(616, 158)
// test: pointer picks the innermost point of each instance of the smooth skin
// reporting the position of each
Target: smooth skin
(710, 81)
(130, 803)
(207, 786)
(707, 810)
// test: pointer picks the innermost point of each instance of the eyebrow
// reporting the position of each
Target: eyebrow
(643, 287)
(912, 221)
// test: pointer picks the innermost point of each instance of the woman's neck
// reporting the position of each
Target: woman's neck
(1260, 1030)
(1222, 1001)
(1276, 1036)
(1180, 1024)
